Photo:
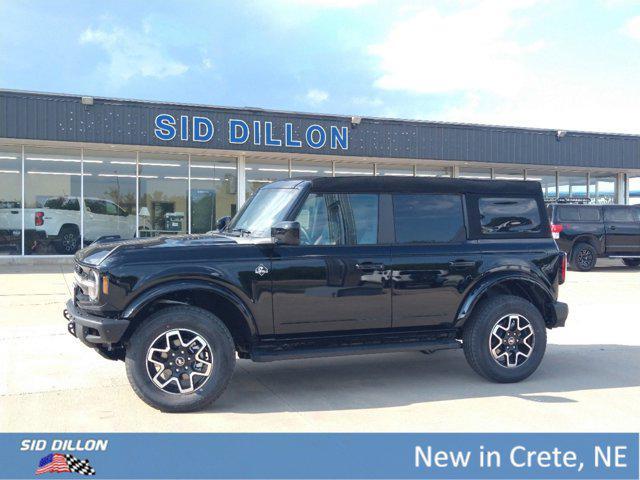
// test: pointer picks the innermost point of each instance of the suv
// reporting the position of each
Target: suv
(586, 232)
(328, 266)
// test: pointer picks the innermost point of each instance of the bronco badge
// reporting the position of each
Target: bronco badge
(261, 270)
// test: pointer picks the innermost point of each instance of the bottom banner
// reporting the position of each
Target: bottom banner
(321, 456)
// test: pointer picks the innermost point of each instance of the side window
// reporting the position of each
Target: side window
(427, 218)
(568, 214)
(339, 219)
(509, 215)
(620, 215)
(590, 214)
(111, 208)
(95, 206)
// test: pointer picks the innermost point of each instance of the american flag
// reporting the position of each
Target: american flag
(54, 462)
(63, 463)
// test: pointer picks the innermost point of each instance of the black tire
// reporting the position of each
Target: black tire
(68, 241)
(477, 336)
(583, 257)
(196, 320)
(631, 262)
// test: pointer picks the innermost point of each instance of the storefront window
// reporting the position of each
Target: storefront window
(394, 170)
(508, 174)
(163, 186)
(52, 201)
(481, 173)
(602, 188)
(10, 200)
(547, 179)
(427, 171)
(109, 195)
(572, 185)
(214, 183)
(303, 168)
(634, 190)
(347, 168)
(260, 171)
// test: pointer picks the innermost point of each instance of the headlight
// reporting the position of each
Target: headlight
(89, 282)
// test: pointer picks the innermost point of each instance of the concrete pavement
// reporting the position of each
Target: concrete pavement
(588, 380)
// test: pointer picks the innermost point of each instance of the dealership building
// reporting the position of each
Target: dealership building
(73, 169)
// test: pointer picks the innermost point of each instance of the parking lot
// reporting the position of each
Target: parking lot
(588, 381)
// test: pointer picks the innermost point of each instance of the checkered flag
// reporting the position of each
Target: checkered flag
(79, 466)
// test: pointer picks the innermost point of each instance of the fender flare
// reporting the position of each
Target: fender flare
(491, 280)
(171, 286)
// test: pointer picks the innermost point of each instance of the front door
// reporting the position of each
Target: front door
(622, 228)
(337, 278)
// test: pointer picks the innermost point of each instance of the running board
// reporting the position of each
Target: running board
(270, 354)
(624, 256)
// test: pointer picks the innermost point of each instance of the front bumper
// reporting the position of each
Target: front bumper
(93, 330)
(562, 312)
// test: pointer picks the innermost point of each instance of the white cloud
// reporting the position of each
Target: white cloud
(333, 4)
(458, 51)
(632, 28)
(207, 64)
(316, 97)
(132, 53)
(472, 60)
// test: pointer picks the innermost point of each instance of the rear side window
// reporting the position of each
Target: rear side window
(620, 215)
(426, 218)
(589, 214)
(568, 214)
(508, 215)
(62, 203)
(578, 214)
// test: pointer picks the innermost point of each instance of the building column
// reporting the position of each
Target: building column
(241, 190)
(622, 194)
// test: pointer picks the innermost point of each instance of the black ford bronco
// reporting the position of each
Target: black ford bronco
(323, 267)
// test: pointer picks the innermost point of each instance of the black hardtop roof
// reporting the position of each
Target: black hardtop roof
(411, 185)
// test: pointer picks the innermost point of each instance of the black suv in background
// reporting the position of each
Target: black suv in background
(323, 267)
(586, 232)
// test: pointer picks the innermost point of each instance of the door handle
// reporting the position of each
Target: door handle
(462, 264)
(612, 227)
(369, 266)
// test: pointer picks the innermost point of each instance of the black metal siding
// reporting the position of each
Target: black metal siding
(37, 116)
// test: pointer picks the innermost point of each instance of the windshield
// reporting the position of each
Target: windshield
(266, 207)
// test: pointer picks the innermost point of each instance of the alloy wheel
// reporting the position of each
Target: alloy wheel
(585, 258)
(179, 361)
(511, 341)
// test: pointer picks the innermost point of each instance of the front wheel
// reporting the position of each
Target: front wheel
(505, 339)
(180, 359)
(631, 262)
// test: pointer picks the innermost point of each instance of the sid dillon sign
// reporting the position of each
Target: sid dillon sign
(239, 132)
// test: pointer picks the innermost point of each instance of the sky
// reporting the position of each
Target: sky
(572, 65)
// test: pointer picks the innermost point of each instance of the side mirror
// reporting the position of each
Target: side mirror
(221, 224)
(286, 233)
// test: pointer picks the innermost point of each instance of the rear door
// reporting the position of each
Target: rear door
(430, 259)
(622, 228)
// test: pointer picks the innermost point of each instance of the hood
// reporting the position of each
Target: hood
(95, 254)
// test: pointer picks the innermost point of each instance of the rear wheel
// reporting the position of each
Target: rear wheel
(505, 339)
(583, 257)
(68, 240)
(180, 359)
(631, 262)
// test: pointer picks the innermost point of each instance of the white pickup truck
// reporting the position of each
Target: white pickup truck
(58, 221)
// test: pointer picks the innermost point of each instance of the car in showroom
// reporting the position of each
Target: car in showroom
(588, 232)
(318, 267)
(57, 221)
